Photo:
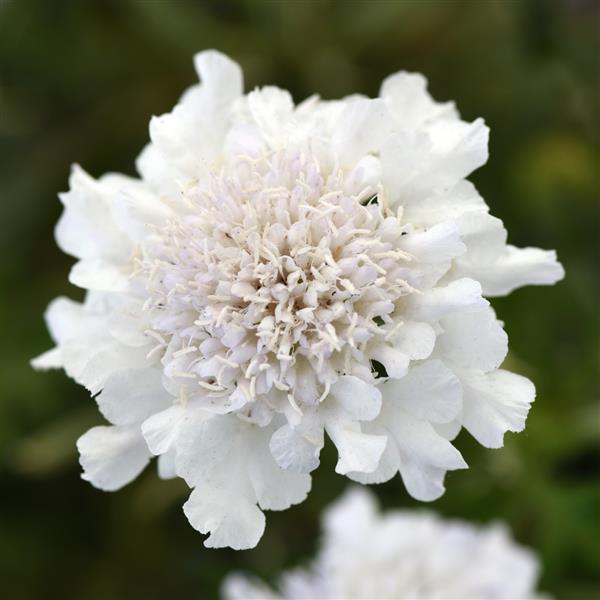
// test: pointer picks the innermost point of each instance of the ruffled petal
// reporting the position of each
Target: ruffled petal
(455, 204)
(517, 267)
(430, 391)
(226, 513)
(136, 210)
(272, 110)
(275, 488)
(111, 457)
(357, 451)
(366, 174)
(87, 352)
(438, 244)
(194, 131)
(86, 229)
(416, 162)
(459, 296)
(362, 127)
(395, 361)
(92, 366)
(460, 148)
(158, 174)
(494, 403)
(414, 339)
(161, 429)
(98, 274)
(51, 359)
(410, 103)
(132, 395)
(295, 451)
(229, 464)
(221, 77)
(473, 340)
(360, 400)
(67, 319)
(415, 450)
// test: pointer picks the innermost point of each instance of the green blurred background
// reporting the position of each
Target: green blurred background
(79, 81)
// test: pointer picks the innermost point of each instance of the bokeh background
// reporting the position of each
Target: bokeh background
(79, 81)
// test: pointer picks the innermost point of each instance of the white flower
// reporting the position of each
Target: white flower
(283, 272)
(401, 554)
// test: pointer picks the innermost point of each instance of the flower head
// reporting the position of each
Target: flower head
(280, 273)
(401, 554)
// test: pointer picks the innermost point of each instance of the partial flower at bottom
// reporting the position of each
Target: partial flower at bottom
(402, 554)
(280, 273)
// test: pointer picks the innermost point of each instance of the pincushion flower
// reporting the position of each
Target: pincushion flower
(401, 554)
(280, 273)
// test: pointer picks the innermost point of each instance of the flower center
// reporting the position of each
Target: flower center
(274, 277)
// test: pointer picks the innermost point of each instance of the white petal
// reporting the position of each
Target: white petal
(425, 457)
(51, 359)
(473, 340)
(66, 319)
(229, 463)
(194, 130)
(161, 429)
(415, 339)
(410, 103)
(170, 133)
(430, 391)
(362, 127)
(156, 172)
(92, 366)
(360, 400)
(518, 267)
(404, 156)
(449, 430)
(366, 174)
(272, 109)
(357, 451)
(414, 449)
(395, 361)
(388, 465)
(230, 519)
(205, 446)
(86, 229)
(128, 325)
(220, 75)
(440, 243)
(274, 487)
(166, 465)
(462, 295)
(447, 204)
(494, 403)
(498, 267)
(416, 162)
(484, 236)
(135, 210)
(87, 353)
(97, 274)
(132, 395)
(111, 457)
(461, 147)
(294, 451)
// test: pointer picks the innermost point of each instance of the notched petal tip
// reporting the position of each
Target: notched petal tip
(231, 521)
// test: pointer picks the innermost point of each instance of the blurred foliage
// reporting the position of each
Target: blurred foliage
(79, 81)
